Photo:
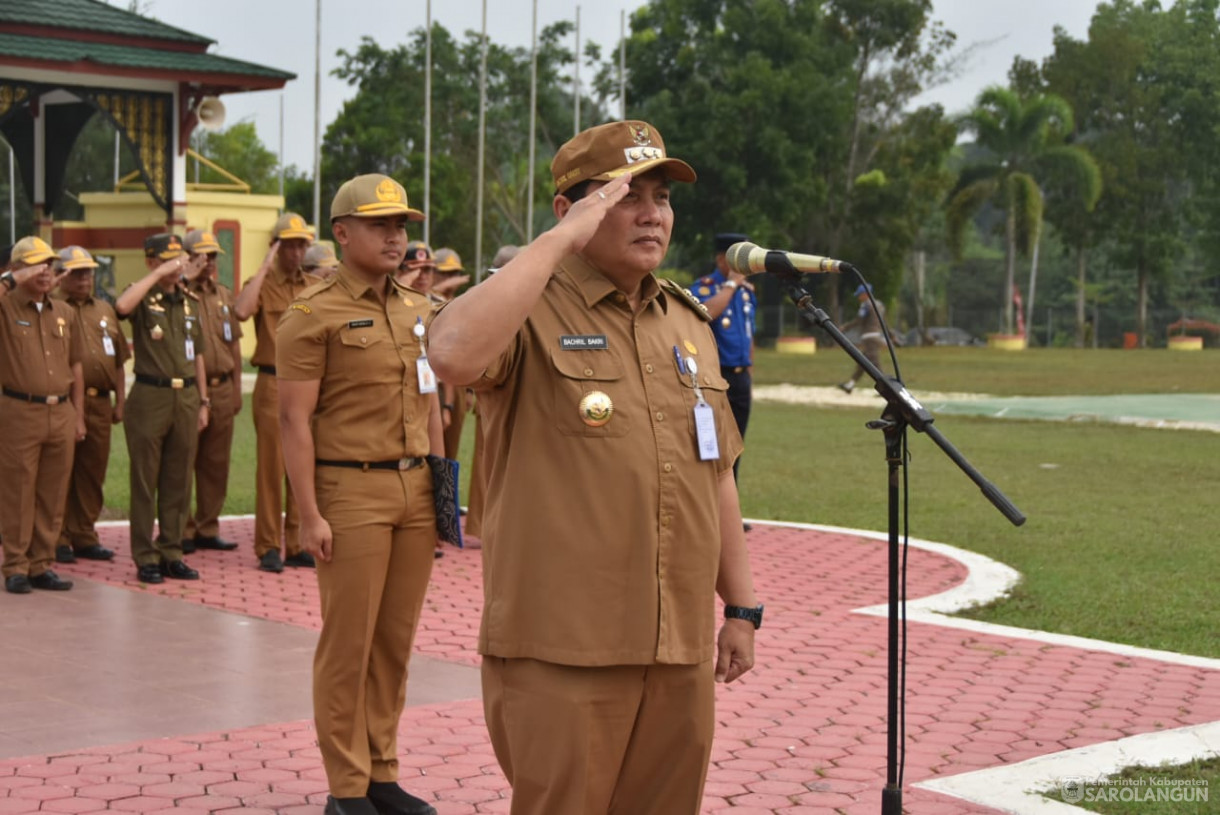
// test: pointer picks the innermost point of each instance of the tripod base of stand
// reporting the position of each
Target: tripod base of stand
(891, 801)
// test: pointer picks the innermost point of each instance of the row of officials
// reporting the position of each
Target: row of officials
(63, 363)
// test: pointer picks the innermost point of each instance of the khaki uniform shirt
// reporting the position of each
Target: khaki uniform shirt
(37, 348)
(279, 289)
(160, 327)
(95, 319)
(220, 326)
(364, 352)
(602, 544)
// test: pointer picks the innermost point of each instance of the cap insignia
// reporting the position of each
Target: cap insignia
(640, 134)
(387, 190)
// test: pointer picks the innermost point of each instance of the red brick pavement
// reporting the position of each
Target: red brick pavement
(804, 733)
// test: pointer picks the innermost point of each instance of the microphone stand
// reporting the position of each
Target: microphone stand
(901, 411)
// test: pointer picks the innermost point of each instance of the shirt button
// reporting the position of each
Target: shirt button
(660, 416)
(588, 372)
(648, 368)
(668, 467)
(363, 340)
(664, 520)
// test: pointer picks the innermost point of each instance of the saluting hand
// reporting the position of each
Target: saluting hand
(194, 266)
(580, 221)
(171, 268)
(28, 273)
(269, 259)
(735, 650)
(316, 538)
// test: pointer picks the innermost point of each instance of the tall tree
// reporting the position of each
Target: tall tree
(1023, 141)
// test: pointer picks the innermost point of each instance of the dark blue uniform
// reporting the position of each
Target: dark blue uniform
(734, 331)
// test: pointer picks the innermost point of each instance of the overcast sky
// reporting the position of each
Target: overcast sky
(280, 34)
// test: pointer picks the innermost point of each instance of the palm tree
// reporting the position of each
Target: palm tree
(1023, 142)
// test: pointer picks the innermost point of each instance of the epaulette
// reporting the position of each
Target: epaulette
(192, 294)
(310, 292)
(685, 296)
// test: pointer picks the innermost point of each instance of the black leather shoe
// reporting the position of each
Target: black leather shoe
(149, 573)
(271, 562)
(188, 545)
(746, 527)
(17, 584)
(390, 799)
(219, 544)
(95, 552)
(301, 560)
(64, 554)
(49, 581)
(348, 806)
(178, 570)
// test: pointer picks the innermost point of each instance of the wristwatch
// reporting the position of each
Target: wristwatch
(207, 403)
(8, 280)
(753, 615)
(730, 284)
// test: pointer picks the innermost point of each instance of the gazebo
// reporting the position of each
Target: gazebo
(63, 61)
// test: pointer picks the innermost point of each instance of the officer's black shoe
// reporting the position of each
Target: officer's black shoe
(17, 584)
(390, 799)
(301, 560)
(95, 551)
(178, 570)
(149, 573)
(219, 544)
(745, 527)
(64, 554)
(349, 806)
(49, 581)
(271, 562)
(188, 545)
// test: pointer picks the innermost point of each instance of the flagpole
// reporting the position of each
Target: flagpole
(428, 133)
(529, 208)
(622, 64)
(317, 116)
(478, 223)
(576, 80)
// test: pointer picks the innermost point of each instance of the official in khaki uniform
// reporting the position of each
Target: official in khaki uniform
(167, 408)
(222, 333)
(41, 416)
(612, 516)
(320, 261)
(359, 412)
(265, 297)
(104, 351)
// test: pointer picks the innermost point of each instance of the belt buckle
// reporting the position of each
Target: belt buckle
(52, 400)
(214, 381)
(91, 391)
(404, 463)
(177, 383)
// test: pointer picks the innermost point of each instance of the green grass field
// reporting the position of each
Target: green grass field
(1120, 540)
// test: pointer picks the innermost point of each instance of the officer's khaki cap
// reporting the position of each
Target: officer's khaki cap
(76, 257)
(290, 226)
(372, 196)
(320, 255)
(448, 261)
(198, 242)
(162, 246)
(607, 151)
(32, 250)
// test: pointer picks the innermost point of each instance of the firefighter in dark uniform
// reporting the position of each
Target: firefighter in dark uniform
(167, 408)
(104, 352)
(731, 302)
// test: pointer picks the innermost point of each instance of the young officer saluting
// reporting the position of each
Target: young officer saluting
(358, 413)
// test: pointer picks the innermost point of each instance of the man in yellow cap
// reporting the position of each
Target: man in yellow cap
(265, 297)
(222, 333)
(104, 351)
(320, 260)
(597, 379)
(359, 413)
(41, 413)
(167, 408)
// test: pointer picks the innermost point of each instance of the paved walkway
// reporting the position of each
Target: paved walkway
(195, 696)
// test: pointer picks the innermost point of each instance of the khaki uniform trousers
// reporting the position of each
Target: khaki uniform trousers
(85, 496)
(275, 510)
(212, 456)
(162, 427)
(372, 590)
(36, 448)
(618, 740)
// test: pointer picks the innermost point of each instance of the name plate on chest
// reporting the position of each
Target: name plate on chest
(583, 342)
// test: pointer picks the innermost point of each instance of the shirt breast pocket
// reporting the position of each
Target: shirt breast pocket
(715, 390)
(589, 394)
(360, 346)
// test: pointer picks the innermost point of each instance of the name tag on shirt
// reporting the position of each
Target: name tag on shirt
(190, 350)
(583, 342)
(228, 331)
(108, 345)
(360, 324)
(705, 432)
(427, 379)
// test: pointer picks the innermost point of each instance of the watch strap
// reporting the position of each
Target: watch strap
(750, 614)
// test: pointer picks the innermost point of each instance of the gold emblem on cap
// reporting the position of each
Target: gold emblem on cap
(296, 223)
(640, 134)
(387, 190)
(596, 408)
(78, 254)
(690, 346)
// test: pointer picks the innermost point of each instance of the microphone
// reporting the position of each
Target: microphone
(749, 259)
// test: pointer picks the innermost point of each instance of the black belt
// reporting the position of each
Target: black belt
(176, 383)
(42, 400)
(736, 369)
(397, 464)
(219, 380)
(267, 369)
(98, 392)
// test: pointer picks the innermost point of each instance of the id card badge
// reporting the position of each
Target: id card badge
(190, 350)
(228, 331)
(427, 379)
(705, 432)
(108, 345)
